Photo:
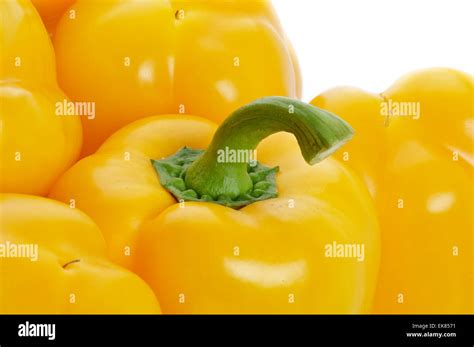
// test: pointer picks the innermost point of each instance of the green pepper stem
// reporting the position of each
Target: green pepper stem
(318, 132)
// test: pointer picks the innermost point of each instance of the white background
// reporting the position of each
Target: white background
(371, 43)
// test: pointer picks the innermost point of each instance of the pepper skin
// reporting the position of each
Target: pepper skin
(51, 11)
(36, 144)
(68, 272)
(419, 170)
(202, 257)
(202, 58)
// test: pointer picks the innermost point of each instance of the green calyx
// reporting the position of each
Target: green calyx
(172, 172)
(227, 172)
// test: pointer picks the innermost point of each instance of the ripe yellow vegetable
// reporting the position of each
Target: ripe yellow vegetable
(139, 58)
(52, 261)
(415, 151)
(37, 143)
(278, 253)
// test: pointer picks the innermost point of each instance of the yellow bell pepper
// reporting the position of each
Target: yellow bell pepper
(52, 260)
(211, 233)
(415, 151)
(37, 143)
(139, 58)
